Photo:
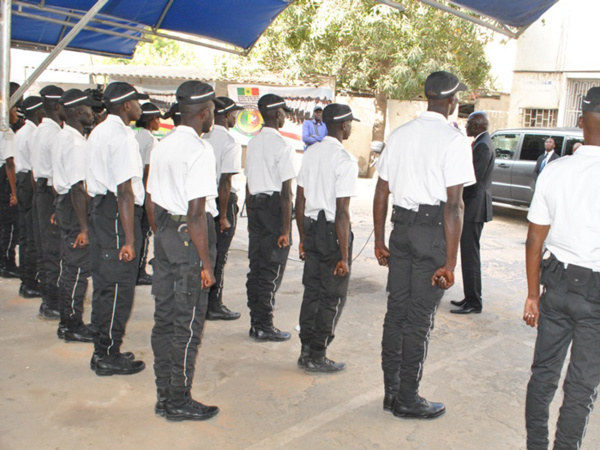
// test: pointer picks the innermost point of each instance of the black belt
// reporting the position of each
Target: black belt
(426, 215)
(178, 218)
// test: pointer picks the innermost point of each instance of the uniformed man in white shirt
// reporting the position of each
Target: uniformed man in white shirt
(228, 155)
(269, 170)
(9, 216)
(148, 123)
(567, 314)
(47, 234)
(424, 166)
(33, 109)
(181, 192)
(68, 170)
(326, 181)
(114, 179)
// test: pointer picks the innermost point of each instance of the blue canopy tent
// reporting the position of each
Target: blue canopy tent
(114, 27)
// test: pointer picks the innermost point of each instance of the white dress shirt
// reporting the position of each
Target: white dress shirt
(40, 148)
(113, 157)
(7, 146)
(573, 211)
(22, 153)
(328, 172)
(182, 168)
(228, 152)
(147, 142)
(68, 163)
(424, 157)
(269, 162)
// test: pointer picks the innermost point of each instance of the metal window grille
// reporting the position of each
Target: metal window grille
(539, 118)
(576, 90)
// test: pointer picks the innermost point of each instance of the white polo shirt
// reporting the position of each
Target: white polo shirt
(7, 146)
(269, 162)
(40, 148)
(68, 163)
(147, 142)
(228, 152)
(113, 157)
(424, 157)
(328, 172)
(22, 153)
(182, 168)
(573, 211)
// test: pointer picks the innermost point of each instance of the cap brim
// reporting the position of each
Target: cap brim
(354, 118)
(141, 96)
(287, 109)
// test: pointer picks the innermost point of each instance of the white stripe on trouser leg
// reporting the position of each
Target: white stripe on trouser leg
(274, 287)
(337, 311)
(112, 319)
(419, 373)
(234, 215)
(188, 346)
(59, 273)
(12, 230)
(117, 229)
(73, 293)
(590, 407)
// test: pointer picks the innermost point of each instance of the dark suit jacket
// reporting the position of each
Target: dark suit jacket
(478, 197)
(538, 164)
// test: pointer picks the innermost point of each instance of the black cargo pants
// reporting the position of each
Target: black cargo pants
(180, 301)
(9, 233)
(215, 297)
(417, 249)
(113, 280)
(324, 293)
(569, 315)
(75, 272)
(27, 251)
(267, 260)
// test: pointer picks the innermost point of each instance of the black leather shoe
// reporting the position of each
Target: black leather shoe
(268, 334)
(304, 354)
(144, 280)
(459, 303)
(119, 365)
(318, 362)
(48, 313)
(81, 334)
(96, 357)
(162, 397)
(466, 309)
(190, 410)
(221, 312)
(388, 401)
(419, 409)
(10, 272)
(26, 292)
(60, 332)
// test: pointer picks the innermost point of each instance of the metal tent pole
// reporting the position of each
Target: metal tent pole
(60, 47)
(5, 6)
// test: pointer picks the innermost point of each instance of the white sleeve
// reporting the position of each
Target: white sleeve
(539, 213)
(231, 158)
(285, 164)
(346, 176)
(458, 163)
(201, 175)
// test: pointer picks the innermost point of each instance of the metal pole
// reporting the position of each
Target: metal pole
(5, 61)
(60, 47)
(393, 4)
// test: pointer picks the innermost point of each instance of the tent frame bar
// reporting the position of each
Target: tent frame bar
(5, 61)
(54, 53)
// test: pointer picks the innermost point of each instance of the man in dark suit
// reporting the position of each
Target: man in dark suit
(547, 157)
(478, 210)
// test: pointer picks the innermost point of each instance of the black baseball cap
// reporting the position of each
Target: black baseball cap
(591, 101)
(173, 111)
(51, 93)
(32, 103)
(119, 92)
(13, 88)
(74, 97)
(150, 109)
(318, 108)
(338, 113)
(440, 85)
(195, 92)
(228, 106)
(271, 101)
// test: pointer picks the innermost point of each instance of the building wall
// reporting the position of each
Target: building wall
(496, 109)
(360, 140)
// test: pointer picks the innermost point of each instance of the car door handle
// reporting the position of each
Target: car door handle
(503, 165)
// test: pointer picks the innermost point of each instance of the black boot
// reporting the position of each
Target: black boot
(118, 365)
(418, 408)
(392, 386)
(304, 354)
(162, 396)
(268, 333)
(221, 312)
(181, 406)
(318, 362)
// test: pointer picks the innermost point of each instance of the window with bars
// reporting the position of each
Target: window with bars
(576, 90)
(539, 118)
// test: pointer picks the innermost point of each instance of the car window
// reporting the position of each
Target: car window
(505, 145)
(571, 141)
(533, 146)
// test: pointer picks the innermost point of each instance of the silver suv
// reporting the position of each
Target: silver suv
(517, 150)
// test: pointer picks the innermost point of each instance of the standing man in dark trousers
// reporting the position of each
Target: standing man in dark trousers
(568, 312)
(228, 155)
(68, 169)
(326, 181)
(47, 234)
(114, 180)
(425, 165)
(478, 210)
(9, 217)
(181, 192)
(547, 157)
(33, 109)
(270, 170)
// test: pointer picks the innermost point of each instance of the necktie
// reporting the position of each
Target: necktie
(543, 164)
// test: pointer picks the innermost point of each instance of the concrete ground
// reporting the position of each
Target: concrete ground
(477, 365)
